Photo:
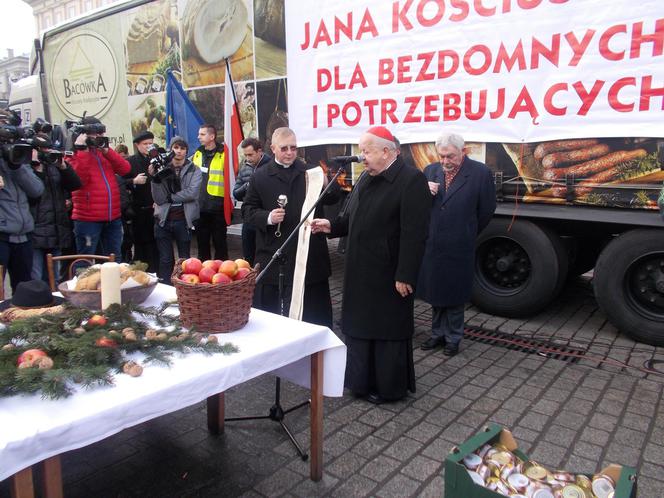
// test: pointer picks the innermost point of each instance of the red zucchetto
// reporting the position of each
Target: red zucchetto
(381, 132)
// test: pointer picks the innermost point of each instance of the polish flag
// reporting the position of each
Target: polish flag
(232, 139)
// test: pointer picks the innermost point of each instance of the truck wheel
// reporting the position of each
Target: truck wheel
(517, 272)
(629, 284)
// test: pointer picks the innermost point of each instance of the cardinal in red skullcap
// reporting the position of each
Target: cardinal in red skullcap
(386, 222)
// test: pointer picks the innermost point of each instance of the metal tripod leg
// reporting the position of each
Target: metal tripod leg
(277, 414)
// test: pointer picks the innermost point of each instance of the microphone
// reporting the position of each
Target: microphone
(282, 200)
(348, 159)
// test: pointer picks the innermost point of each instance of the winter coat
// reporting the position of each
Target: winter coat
(267, 184)
(98, 200)
(21, 183)
(141, 200)
(386, 224)
(52, 224)
(245, 173)
(457, 217)
(190, 185)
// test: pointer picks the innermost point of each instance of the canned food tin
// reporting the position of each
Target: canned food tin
(484, 472)
(477, 479)
(535, 471)
(602, 486)
(484, 450)
(472, 461)
(583, 482)
(543, 493)
(492, 483)
(573, 491)
(502, 488)
(563, 476)
(519, 482)
(502, 458)
(506, 471)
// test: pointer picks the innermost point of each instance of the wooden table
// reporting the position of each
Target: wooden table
(41, 430)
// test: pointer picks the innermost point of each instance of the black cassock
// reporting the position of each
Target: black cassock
(386, 222)
(265, 186)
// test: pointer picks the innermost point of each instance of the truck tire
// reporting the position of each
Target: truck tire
(629, 284)
(518, 272)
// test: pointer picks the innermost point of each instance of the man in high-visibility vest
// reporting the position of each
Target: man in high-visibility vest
(209, 157)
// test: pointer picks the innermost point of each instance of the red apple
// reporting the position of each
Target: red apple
(221, 278)
(241, 273)
(212, 263)
(242, 263)
(97, 321)
(192, 265)
(30, 356)
(190, 278)
(206, 274)
(105, 342)
(229, 268)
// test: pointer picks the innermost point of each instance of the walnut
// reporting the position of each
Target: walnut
(212, 339)
(79, 331)
(43, 362)
(132, 368)
(150, 334)
(130, 336)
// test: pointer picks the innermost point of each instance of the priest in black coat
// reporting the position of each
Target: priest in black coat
(285, 175)
(386, 222)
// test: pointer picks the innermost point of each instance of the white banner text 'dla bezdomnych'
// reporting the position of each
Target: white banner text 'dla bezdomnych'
(493, 70)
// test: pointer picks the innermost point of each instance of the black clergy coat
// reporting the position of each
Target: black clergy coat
(265, 186)
(457, 217)
(386, 224)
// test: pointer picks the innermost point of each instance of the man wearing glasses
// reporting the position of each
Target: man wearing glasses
(289, 176)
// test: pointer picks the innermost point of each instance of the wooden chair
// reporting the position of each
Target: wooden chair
(73, 258)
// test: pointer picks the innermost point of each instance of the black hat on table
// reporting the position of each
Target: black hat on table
(144, 135)
(32, 294)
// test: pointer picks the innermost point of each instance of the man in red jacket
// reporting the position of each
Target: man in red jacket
(96, 214)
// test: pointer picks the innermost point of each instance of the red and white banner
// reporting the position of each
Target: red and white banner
(492, 70)
(232, 139)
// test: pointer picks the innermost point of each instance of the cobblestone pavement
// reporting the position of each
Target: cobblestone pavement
(580, 416)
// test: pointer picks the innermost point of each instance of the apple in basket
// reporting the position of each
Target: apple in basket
(192, 265)
(190, 278)
(243, 263)
(206, 274)
(221, 278)
(30, 356)
(212, 263)
(241, 273)
(229, 268)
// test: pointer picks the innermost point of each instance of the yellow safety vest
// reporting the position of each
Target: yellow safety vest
(215, 184)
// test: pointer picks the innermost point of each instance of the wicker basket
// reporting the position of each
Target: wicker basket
(214, 308)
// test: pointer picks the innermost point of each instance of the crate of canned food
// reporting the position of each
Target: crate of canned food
(490, 465)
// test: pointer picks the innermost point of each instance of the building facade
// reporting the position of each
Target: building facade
(49, 13)
(12, 68)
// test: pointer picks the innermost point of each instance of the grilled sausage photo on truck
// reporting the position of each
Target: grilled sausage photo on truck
(593, 167)
(562, 145)
(559, 159)
(614, 170)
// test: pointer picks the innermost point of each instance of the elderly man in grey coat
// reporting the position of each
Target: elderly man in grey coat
(463, 198)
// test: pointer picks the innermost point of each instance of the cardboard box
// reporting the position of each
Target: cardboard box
(458, 484)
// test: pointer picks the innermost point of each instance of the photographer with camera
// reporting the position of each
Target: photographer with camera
(175, 185)
(145, 247)
(19, 184)
(97, 215)
(53, 230)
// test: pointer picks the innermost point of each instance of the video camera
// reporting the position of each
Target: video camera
(78, 127)
(15, 140)
(160, 161)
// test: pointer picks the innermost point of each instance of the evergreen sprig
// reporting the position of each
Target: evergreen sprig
(80, 359)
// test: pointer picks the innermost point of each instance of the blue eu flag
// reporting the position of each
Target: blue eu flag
(182, 118)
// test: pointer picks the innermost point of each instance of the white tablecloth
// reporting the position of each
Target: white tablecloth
(32, 429)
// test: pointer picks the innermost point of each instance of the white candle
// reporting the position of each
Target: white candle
(110, 285)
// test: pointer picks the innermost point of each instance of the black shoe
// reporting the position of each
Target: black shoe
(450, 350)
(433, 343)
(376, 399)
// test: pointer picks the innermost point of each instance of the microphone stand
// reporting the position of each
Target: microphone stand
(277, 413)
